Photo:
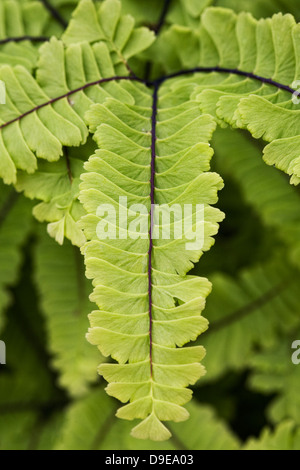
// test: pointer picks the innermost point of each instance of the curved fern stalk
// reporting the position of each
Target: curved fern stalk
(150, 153)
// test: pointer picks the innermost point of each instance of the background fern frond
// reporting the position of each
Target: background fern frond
(274, 372)
(275, 201)
(261, 8)
(262, 301)
(15, 226)
(64, 292)
(285, 437)
(19, 20)
(172, 72)
(90, 424)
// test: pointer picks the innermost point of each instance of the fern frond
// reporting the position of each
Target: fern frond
(40, 105)
(56, 185)
(90, 425)
(64, 292)
(286, 436)
(182, 12)
(54, 105)
(265, 189)
(163, 14)
(29, 400)
(15, 225)
(27, 430)
(107, 23)
(258, 61)
(19, 21)
(149, 308)
(188, 12)
(261, 8)
(262, 301)
(275, 372)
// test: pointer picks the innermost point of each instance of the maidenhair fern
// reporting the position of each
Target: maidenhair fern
(116, 112)
(148, 305)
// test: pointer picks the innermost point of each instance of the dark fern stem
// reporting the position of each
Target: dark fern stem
(152, 208)
(68, 164)
(157, 29)
(70, 93)
(55, 13)
(24, 38)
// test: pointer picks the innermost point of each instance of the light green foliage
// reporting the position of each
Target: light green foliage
(187, 12)
(151, 374)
